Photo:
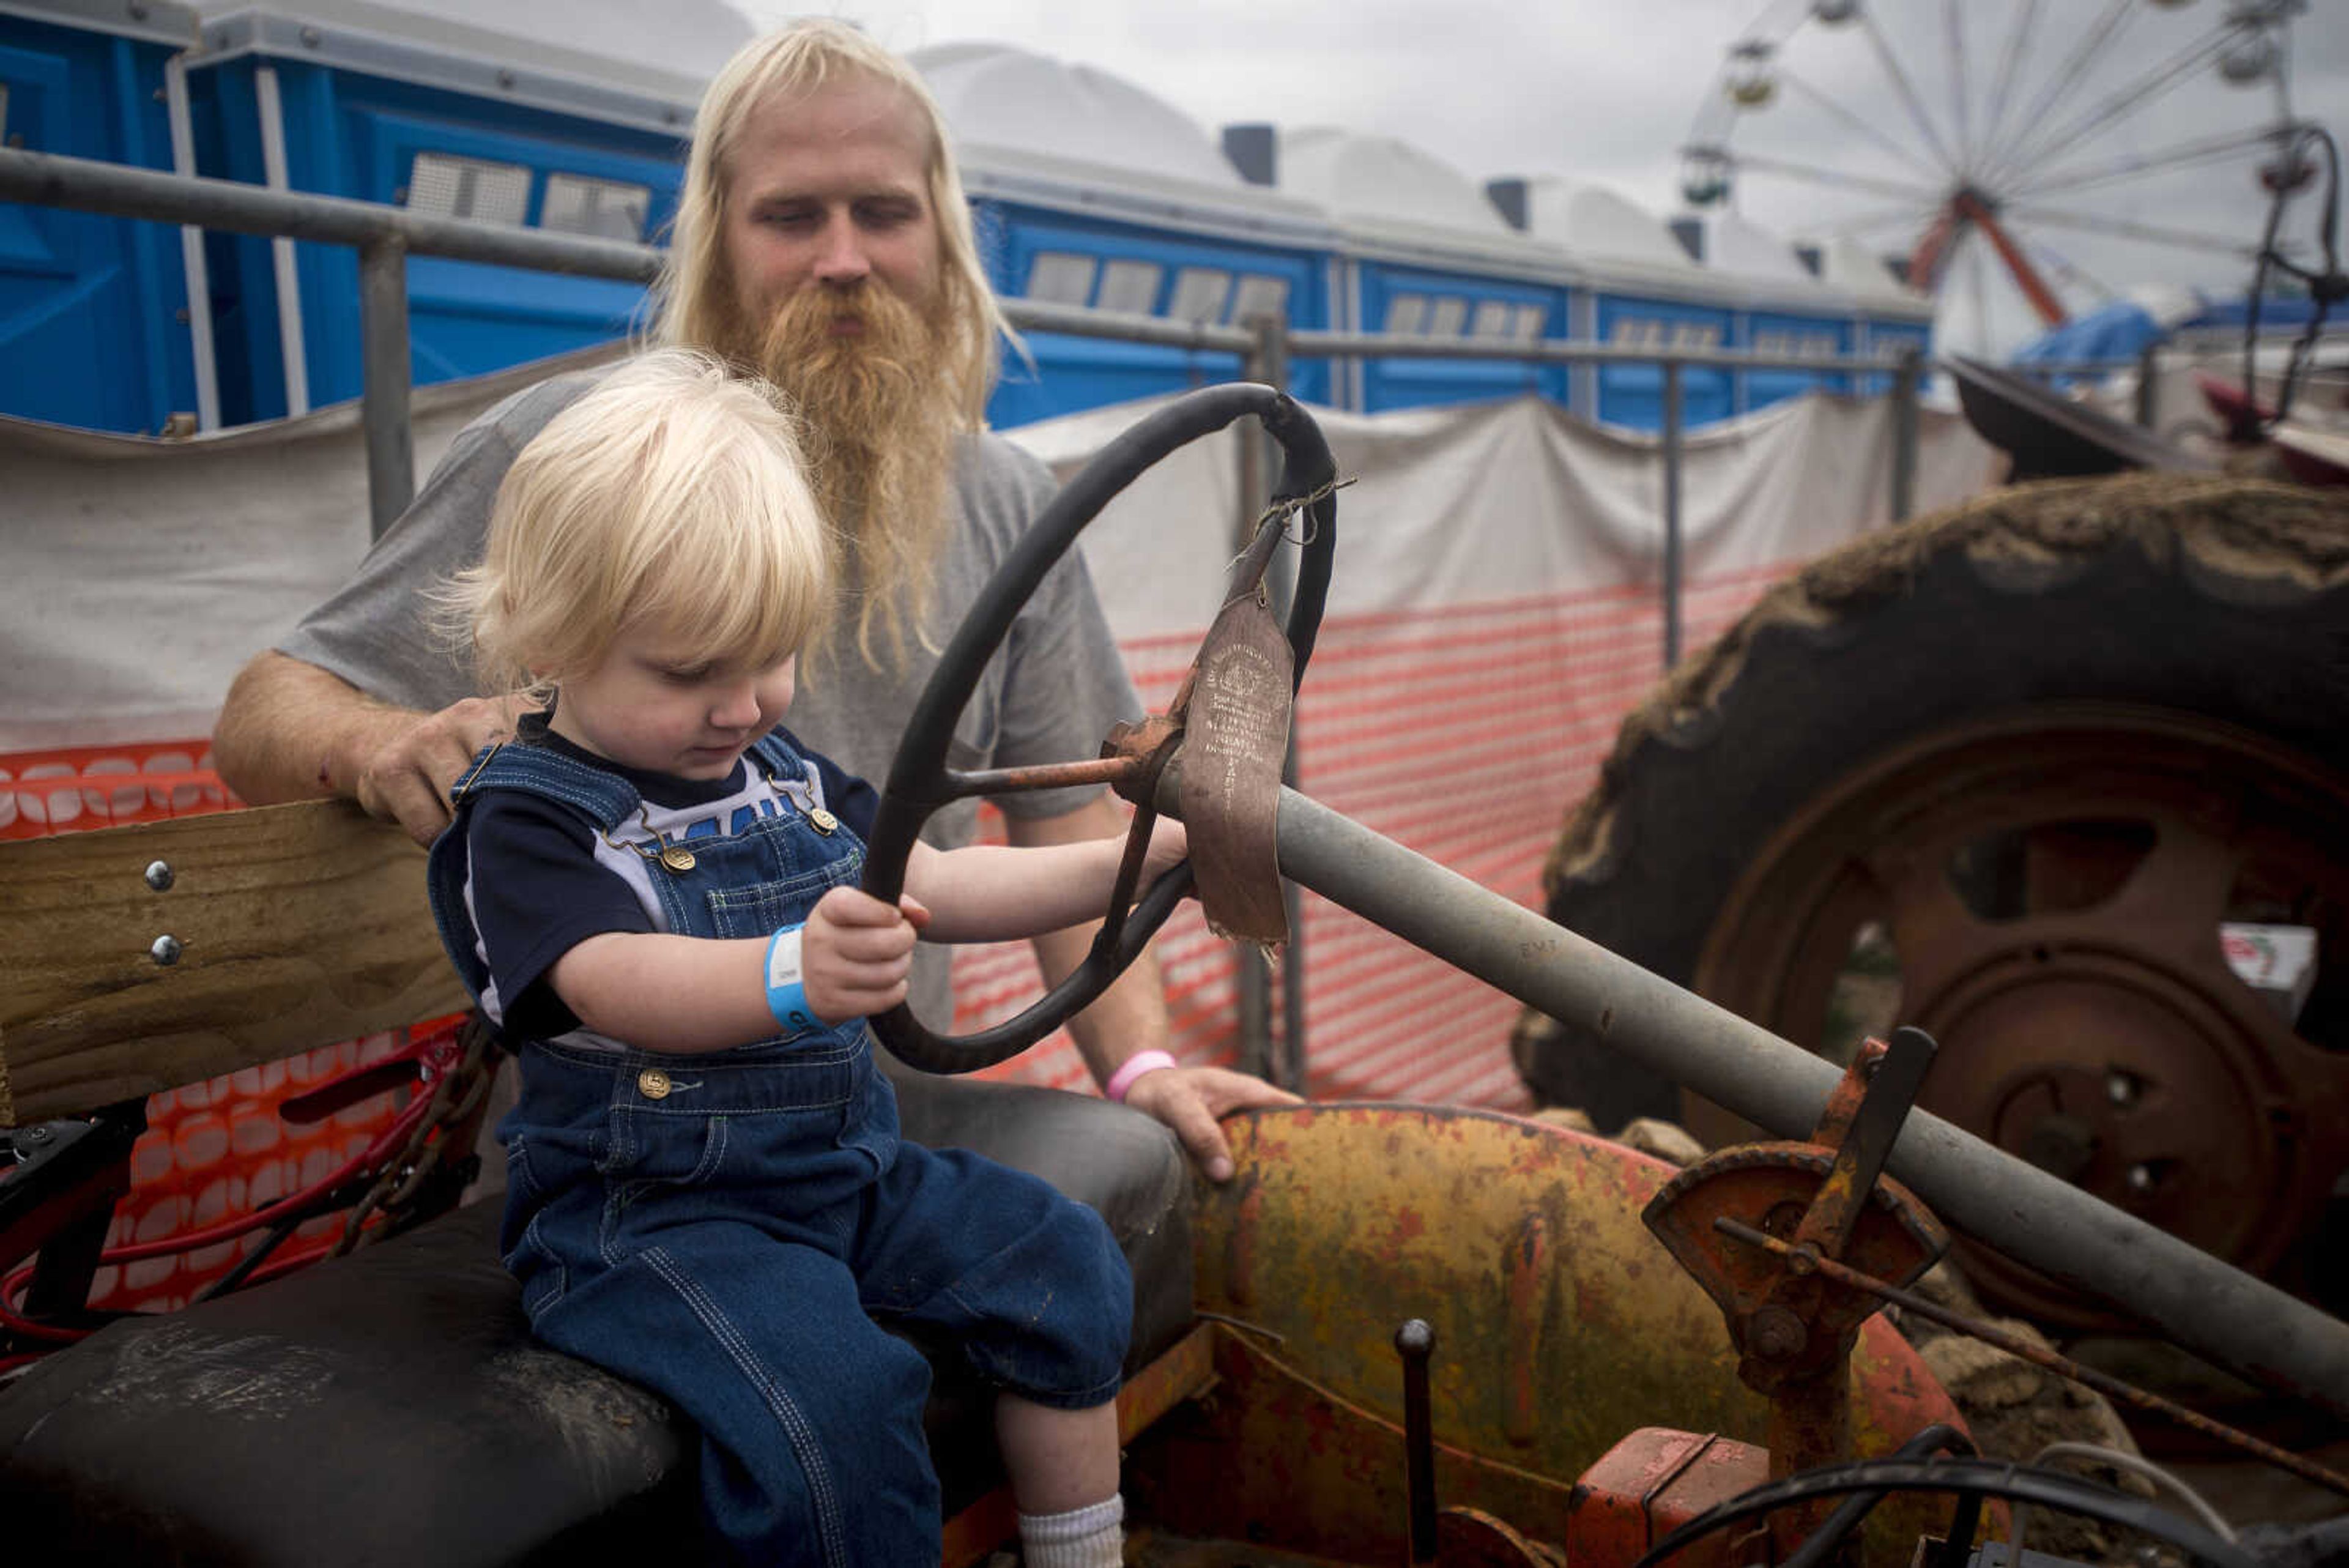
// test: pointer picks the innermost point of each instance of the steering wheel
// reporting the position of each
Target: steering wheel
(920, 783)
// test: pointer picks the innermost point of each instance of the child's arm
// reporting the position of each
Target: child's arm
(986, 893)
(661, 992)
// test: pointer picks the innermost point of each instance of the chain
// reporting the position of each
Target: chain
(458, 1094)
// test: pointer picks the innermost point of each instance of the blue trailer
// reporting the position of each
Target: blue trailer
(1088, 190)
(95, 319)
(1421, 252)
(445, 119)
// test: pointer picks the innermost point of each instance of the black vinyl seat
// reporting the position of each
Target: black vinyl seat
(390, 1408)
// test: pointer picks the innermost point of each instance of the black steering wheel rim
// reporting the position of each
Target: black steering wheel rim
(920, 781)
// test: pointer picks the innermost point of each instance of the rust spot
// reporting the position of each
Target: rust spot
(1239, 1247)
(1528, 1272)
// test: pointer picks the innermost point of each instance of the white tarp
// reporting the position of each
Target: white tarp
(140, 573)
(1497, 501)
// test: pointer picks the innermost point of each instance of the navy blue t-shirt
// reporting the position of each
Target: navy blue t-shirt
(539, 888)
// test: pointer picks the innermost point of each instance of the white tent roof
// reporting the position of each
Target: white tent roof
(995, 95)
(1736, 245)
(1380, 178)
(1595, 224)
(1847, 264)
(599, 57)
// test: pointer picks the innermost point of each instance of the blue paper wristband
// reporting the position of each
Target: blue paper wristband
(786, 998)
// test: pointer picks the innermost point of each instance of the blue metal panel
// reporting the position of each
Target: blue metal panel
(1072, 373)
(1776, 332)
(1456, 304)
(92, 320)
(1633, 395)
(353, 135)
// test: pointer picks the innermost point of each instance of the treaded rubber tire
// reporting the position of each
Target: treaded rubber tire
(2220, 597)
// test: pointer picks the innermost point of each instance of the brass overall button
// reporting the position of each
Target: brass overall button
(653, 1084)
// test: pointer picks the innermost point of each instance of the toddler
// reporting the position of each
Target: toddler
(651, 891)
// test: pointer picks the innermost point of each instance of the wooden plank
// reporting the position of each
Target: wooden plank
(299, 926)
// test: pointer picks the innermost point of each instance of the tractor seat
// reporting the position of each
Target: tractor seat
(390, 1408)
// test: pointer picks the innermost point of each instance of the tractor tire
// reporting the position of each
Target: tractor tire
(2005, 737)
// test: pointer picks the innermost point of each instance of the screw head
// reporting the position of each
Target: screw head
(160, 875)
(165, 950)
(2121, 1088)
(2140, 1178)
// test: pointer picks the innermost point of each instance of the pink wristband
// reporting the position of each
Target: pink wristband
(1134, 1067)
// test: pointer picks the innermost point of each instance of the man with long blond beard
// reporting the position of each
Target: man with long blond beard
(823, 240)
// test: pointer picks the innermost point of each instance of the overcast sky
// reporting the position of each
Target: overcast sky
(1609, 90)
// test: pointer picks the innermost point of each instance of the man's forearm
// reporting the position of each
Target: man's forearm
(1130, 1016)
(291, 731)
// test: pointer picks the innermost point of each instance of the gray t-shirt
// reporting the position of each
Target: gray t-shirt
(1049, 694)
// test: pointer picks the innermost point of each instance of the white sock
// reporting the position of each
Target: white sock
(1088, 1537)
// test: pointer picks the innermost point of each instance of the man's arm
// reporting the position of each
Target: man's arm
(291, 731)
(1131, 1016)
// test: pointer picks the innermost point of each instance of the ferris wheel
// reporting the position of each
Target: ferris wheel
(2020, 160)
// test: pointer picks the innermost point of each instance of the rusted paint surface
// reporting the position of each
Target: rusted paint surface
(1273, 1458)
(1612, 1336)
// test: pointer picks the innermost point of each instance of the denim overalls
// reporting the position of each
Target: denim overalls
(725, 1228)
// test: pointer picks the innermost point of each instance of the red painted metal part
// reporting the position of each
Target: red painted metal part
(1976, 211)
(1652, 1483)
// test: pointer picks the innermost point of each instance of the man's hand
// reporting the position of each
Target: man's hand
(855, 952)
(1189, 1100)
(403, 774)
(291, 731)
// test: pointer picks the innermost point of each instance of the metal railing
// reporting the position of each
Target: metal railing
(385, 236)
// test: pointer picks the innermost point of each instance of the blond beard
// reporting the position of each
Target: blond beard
(878, 421)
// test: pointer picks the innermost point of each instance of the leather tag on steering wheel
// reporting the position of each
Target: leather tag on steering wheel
(1234, 739)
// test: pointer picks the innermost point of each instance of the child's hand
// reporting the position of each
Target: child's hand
(855, 952)
(1168, 844)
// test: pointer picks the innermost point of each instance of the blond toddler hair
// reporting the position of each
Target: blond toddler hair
(673, 496)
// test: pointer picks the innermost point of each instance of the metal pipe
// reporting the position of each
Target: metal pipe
(1127, 327)
(1287, 1064)
(1906, 376)
(2204, 1304)
(1318, 344)
(192, 265)
(1671, 447)
(383, 397)
(291, 348)
(91, 185)
(1259, 460)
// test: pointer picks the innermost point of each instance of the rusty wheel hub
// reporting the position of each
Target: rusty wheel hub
(2052, 887)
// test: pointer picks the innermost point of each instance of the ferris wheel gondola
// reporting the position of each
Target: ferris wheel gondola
(2010, 149)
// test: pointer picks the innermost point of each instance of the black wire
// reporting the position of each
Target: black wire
(1984, 1478)
(1850, 1514)
(2326, 285)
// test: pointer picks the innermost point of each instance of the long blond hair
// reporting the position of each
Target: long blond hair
(694, 304)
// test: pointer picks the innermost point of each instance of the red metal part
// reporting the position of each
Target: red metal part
(1967, 209)
(1652, 1483)
(1974, 209)
(1794, 1328)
